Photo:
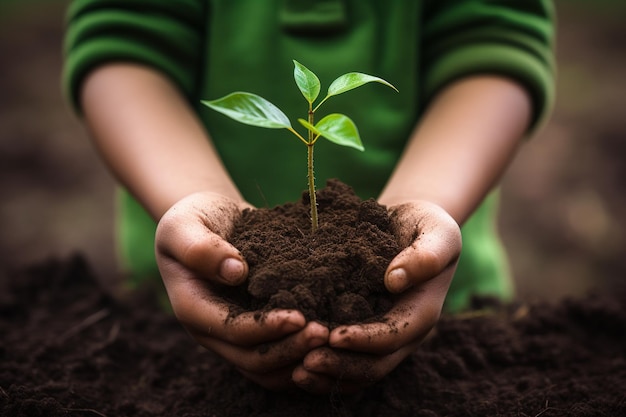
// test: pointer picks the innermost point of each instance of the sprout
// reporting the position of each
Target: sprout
(254, 110)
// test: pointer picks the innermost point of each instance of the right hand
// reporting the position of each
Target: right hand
(193, 254)
(360, 354)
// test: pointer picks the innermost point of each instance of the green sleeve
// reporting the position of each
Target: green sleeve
(163, 34)
(513, 38)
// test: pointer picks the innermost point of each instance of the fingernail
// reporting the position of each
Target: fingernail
(339, 337)
(232, 270)
(291, 326)
(293, 323)
(396, 280)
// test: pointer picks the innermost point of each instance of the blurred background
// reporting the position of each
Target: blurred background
(563, 202)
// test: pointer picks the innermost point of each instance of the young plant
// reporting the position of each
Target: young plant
(338, 128)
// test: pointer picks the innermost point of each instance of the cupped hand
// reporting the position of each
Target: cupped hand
(193, 256)
(359, 355)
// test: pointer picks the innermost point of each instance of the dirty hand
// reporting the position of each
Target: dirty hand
(193, 256)
(359, 355)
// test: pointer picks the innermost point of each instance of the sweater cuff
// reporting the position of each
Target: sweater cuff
(164, 36)
(89, 56)
(533, 73)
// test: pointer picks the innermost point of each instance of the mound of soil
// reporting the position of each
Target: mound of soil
(69, 349)
(335, 275)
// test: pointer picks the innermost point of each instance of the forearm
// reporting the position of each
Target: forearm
(150, 138)
(462, 146)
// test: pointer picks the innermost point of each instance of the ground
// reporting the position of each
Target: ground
(562, 222)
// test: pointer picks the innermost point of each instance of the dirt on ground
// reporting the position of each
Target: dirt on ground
(69, 349)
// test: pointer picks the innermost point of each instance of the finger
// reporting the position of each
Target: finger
(202, 312)
(435, 246)
(210, 318)
(183, 235)
(349, 368)
(412, 317)
(270, 356)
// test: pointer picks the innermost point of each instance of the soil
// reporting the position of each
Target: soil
(69, 349)
(335, 275)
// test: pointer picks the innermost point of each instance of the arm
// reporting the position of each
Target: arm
(156, 147)
(466, 140)
(150, 138)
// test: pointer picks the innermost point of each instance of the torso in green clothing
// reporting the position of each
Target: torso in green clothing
(249, 45)
(255, 55)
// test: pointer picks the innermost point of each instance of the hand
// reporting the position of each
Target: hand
(192, 255)
(359, 355)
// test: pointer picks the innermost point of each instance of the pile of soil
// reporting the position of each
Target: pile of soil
(335, 275)
(69, 349)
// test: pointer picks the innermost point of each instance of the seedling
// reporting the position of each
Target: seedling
(338, 128)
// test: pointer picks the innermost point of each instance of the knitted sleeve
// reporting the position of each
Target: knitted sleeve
(163, 34)
(513, 38)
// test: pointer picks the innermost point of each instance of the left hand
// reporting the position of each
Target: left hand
(194, 256)
(361, 354)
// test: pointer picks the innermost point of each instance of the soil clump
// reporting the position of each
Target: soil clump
(335, 275)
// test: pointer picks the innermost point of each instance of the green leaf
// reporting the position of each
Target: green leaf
(337, 128)
(307, 81)
(352, 80)
(250, 109)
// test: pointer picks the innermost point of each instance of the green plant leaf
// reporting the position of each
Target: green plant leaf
(250, 109)
(307, 81)
(352, 80)
(337, 128)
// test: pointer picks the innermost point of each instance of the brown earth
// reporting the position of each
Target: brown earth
(69, 349)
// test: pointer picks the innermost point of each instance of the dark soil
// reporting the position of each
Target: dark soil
(69, 349)
(335, 275)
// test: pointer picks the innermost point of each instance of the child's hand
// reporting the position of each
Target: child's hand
(192, 255)
(360, 355)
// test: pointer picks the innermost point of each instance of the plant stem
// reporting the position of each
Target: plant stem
(311, 174)
(312, 197)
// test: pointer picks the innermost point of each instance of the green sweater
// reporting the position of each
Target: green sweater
(214, 47)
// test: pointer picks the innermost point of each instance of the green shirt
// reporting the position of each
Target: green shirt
(214, 47)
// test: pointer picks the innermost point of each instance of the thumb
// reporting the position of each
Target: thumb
(436, 246)
(182, 238)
